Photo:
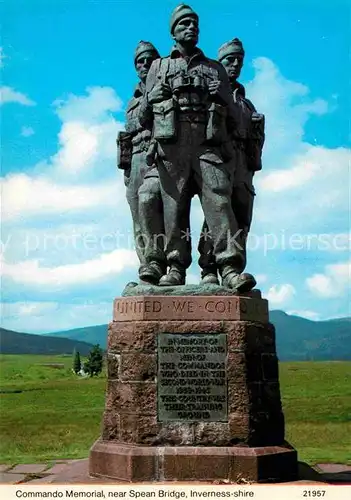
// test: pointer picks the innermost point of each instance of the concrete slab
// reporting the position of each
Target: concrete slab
(29, 468)
(57, 468)
(8, 478)
(77, 473)
(5, 467)
(333, 468)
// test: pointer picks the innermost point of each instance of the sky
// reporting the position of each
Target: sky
(67, 73)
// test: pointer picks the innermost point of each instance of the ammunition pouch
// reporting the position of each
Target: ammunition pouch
(165, 120)
(254, 155)
(151, 153)
(125, 149)
(216, 132)
(254, 146)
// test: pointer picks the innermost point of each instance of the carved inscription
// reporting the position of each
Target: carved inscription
(138, 306)
(194, 308)
(192, 377)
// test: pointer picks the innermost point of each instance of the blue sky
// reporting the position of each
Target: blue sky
(67, 74)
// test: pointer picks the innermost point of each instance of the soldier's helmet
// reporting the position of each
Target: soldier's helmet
(179, 13)
(234, 46)
(143, 47)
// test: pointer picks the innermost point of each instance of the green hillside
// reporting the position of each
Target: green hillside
(300, 339)
(25, 343)
(96, 334)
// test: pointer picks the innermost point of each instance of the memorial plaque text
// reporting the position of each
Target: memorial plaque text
(192, 377)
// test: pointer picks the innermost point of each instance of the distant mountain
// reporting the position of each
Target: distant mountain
(92, 334)
(298, 339)
(26, 343)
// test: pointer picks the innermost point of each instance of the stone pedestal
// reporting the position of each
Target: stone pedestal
(147, 436)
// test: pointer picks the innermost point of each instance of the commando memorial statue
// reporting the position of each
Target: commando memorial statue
(193, 388)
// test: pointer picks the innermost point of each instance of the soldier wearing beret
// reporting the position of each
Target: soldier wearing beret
(189, 106)
(248, 140)
(133, 147)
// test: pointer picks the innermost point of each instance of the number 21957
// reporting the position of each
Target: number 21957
(314, 493)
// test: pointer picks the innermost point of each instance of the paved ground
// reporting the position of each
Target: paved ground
(76, 472)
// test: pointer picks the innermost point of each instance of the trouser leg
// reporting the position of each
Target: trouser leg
(216, 181)
(133, 184)
(207, 261)
(242, 202)
(151, 221)
(176, 198)
(243, 196)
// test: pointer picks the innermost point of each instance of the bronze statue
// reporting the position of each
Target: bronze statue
(189, 106)
(141, 180)
(248, 139)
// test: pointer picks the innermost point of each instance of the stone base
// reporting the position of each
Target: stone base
(189, 463)
(133, 289)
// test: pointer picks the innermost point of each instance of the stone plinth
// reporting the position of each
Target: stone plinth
(190, 463)
(139, 444)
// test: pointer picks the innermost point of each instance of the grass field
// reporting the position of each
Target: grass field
(57, 415)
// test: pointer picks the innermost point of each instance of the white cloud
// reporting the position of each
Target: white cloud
(8, 94)
(15, 309)
(78, 176)
(280, 294)
(84, 145)
(31, 272)
(27, 131)
(287, 106)
(335, 281)
(36, 317)
(24, 196)
(94, 107)
(79, 146)
(302, 186)
(280, 180)
(319, 165)
(88, 134)
(312, 315)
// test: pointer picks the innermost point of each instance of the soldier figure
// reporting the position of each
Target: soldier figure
(133, 147)
(189, 106)
(248, 139)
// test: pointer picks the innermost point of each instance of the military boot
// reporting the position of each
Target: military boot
(243, 282)
(174, 277)
(151, 272)
(209, 276)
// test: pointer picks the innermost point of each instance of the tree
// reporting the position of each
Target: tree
(77, 364)
(93, 365)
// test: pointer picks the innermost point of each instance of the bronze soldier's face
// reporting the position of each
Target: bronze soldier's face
(233, 64)
(187, 30)
(143, 64)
